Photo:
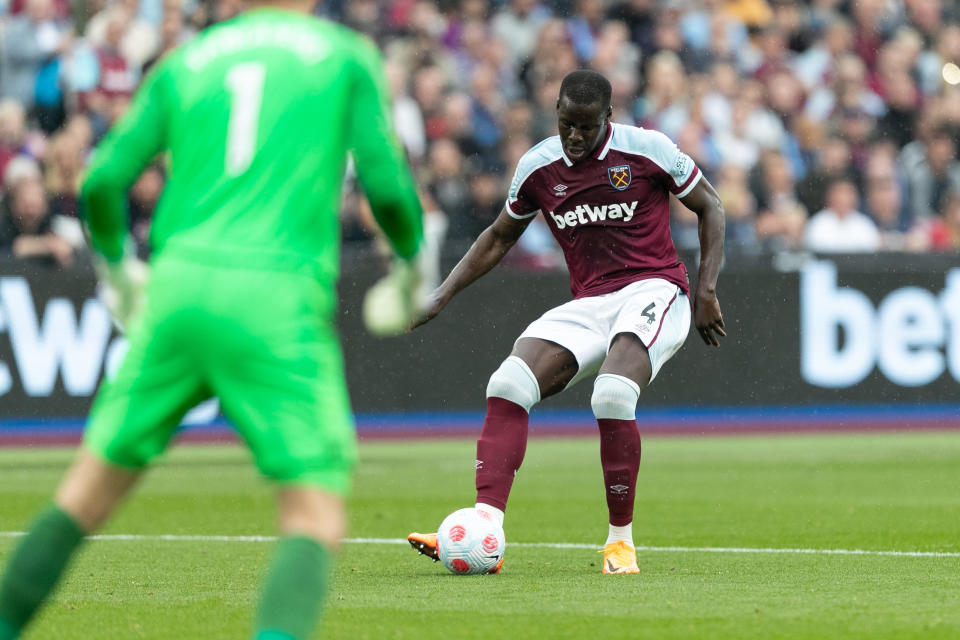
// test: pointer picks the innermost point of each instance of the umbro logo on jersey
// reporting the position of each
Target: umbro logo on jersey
(560, 190)
(583, 214)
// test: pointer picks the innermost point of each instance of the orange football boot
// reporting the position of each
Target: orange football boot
(425, 544)
(619, 557)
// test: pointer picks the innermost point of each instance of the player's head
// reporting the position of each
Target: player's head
(583, 112)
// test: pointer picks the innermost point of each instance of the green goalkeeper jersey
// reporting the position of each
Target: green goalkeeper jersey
(258, 114)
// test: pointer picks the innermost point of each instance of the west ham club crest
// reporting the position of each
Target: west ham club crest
(619, 176)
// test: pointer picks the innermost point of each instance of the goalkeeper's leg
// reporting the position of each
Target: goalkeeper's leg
(87, 496)
(312, 524)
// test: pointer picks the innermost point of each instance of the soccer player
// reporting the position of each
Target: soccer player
(257, 114)
(604, 191)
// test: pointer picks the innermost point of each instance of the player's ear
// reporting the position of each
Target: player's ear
(609, 113)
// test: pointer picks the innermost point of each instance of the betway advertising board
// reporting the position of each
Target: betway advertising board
(851, 332)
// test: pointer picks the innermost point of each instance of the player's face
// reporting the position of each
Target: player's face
(582, 127)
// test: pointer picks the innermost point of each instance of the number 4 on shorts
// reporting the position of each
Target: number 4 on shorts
(649, 314)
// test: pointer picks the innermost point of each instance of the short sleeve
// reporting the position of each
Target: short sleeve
(680, 167)
(521, 199)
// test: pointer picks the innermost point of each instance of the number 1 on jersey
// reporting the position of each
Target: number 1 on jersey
(244, 81)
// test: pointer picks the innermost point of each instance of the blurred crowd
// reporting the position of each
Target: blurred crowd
(826, 125)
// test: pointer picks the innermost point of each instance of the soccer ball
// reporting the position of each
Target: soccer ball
(470, 541)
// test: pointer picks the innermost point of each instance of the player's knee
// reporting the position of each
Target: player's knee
(514, 381)
(614, 397)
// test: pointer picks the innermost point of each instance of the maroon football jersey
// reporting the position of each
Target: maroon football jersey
(610, 212)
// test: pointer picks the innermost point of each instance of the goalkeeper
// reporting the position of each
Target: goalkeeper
(257, 114)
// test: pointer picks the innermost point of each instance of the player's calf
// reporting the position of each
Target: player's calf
(614, 403)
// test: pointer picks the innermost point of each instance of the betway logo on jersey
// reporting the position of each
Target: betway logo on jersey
(585, 213)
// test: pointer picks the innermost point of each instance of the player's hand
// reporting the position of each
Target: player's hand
(434, 305)
(404, 298)
(122, 287)
(708, 319)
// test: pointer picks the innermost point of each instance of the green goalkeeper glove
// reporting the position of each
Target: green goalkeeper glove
(399, 299)
(122, 287)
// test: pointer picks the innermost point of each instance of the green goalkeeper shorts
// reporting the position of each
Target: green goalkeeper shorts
(261, 341)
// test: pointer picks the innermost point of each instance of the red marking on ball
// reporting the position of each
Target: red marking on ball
(457, 533)
(484, 515)
(460, 566)
(490, 543)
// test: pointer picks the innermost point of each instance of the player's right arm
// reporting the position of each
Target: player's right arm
(122, 155)
(484, 254)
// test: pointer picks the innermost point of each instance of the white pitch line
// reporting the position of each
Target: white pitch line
(529, 545)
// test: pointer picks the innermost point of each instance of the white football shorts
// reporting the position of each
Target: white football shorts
(655, 310)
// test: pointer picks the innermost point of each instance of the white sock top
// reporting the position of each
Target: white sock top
(493, 511)
(620, 534)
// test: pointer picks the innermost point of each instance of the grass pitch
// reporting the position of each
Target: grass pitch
(801, 493)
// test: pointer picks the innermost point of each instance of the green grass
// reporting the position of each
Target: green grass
(872, 492)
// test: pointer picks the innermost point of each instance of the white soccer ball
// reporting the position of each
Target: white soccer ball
(470, 541)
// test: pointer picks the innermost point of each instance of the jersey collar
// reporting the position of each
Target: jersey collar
(603, 148)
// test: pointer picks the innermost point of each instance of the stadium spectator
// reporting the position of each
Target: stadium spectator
(781, 218)
(141, 203)
(926, 16)
(487, 104)
(841, 227)
(584, 26)
(19, 169)
(26, 229)
(486, 196)
(776, 55)
(874, 19)
(429, 88)
(740, 208)
(815, 65)
(902, 98)
(120, 28)
(553, 58)
(885, 201)
(847, 93)
(932, 178)
(615, 55)
(174, 31)
(930, 62)
(365, 16)
(406, 112)
(664, 103)
(65, 158)
(717, 104)
(30, 40)
(639, 17)
(832, 162)
(517, 25)
(447, 182)
(944, 231)
(13, 132)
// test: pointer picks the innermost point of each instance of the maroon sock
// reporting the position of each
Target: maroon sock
(620, 457)
(500, 450)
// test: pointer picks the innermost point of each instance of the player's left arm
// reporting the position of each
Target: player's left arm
(705, 202)
(122, 155)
